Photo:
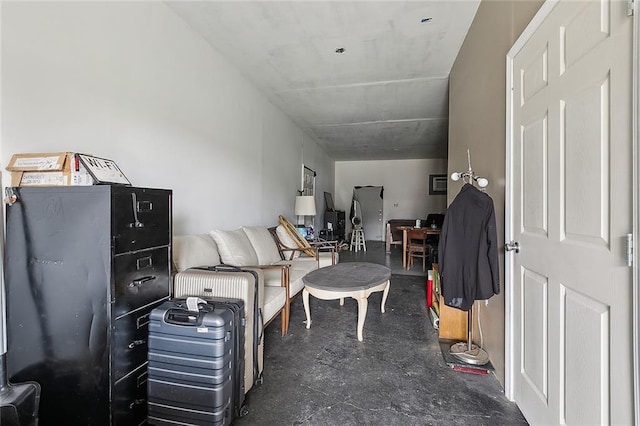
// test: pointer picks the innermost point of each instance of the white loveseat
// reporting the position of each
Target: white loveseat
(259, 250)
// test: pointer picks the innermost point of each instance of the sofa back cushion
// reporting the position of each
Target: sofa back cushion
(194, 250)
(287, 241)
(263, 244)
(235, 248)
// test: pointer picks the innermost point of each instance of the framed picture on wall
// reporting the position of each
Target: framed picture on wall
(308, 181)
(437, 184)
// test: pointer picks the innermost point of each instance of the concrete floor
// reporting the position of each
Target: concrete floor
(396, 376)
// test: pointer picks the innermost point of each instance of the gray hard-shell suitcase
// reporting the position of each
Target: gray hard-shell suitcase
(196, 362)
(224, 281)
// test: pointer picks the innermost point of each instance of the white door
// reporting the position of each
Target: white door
(370, 198)
(571, 181)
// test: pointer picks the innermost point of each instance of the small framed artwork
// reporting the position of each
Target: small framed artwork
(437, 184)
(103, 171)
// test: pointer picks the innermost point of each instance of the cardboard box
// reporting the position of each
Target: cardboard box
(48, 169)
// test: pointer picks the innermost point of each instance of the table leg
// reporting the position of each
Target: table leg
(384, 296)
(404, 249)
(305, 301)
(342, 301)
(362, 314)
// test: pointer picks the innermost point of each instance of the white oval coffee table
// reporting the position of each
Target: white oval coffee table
(348, 279)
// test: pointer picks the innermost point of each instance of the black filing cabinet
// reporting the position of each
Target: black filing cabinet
(84, 268)
(337, 219)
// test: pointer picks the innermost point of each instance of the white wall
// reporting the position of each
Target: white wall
(405, 182)
(130, 81)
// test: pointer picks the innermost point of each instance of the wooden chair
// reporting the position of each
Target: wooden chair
(417, 246)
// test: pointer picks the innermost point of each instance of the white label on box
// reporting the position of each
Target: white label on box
(81, 177)
(48, 178)
(40, 163)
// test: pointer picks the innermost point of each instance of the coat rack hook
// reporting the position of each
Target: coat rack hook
(469, 176)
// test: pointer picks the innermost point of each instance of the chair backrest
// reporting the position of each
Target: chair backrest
(417, 237)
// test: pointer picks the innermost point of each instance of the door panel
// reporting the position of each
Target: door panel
(534, 150)
(586, 171)
(534, 333)
(586, 346)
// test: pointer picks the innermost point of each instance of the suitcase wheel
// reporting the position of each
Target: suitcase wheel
(243, 411)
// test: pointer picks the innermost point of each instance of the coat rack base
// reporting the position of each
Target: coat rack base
(471, 355)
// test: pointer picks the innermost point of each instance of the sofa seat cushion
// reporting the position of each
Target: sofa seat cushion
(235, 248)
(273, 278)
(274, 301)
(191, 251)
(263, 244)
(325, 260)
(295, 281)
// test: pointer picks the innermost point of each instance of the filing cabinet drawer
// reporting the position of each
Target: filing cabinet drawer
(141, 219)
(131, 334)
(130, 398)
(141, 278)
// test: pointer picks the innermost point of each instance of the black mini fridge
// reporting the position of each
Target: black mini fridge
(84, 268)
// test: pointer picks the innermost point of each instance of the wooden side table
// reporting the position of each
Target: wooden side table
(452, 321)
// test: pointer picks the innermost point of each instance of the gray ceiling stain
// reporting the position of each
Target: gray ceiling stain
(384, 97)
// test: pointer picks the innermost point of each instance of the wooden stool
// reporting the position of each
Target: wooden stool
(357, 239)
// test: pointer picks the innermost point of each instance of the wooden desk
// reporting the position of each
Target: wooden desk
(434, 231)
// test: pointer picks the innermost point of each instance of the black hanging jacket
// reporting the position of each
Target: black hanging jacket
(468, 250)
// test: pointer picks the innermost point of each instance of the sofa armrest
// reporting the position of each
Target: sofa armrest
(326, 246)
(285, 270)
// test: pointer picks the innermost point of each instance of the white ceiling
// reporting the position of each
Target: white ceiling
(385, 97)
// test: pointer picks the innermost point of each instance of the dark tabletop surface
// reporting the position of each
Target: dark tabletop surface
(348, 276)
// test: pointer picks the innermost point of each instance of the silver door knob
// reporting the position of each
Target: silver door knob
(512, 246)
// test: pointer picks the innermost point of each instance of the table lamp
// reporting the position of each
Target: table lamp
(305, 206)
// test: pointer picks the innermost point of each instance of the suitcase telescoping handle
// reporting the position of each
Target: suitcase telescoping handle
(188, 316)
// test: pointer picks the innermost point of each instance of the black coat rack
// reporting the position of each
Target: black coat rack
(469, 352)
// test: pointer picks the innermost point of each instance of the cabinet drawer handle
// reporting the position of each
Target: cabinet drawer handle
(140, 281)
(136, 402)
(136, 343)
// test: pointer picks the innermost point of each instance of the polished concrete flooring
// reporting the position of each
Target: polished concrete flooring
(396, 376)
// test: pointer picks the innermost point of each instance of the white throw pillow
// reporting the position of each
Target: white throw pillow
(234, 247)
(263, 244)
(287, 241)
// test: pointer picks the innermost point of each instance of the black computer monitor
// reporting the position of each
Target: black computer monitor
(328, 199)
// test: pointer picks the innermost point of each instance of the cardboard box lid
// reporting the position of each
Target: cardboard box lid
(38, 162)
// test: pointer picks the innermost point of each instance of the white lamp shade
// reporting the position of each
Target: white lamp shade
(305, 205)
